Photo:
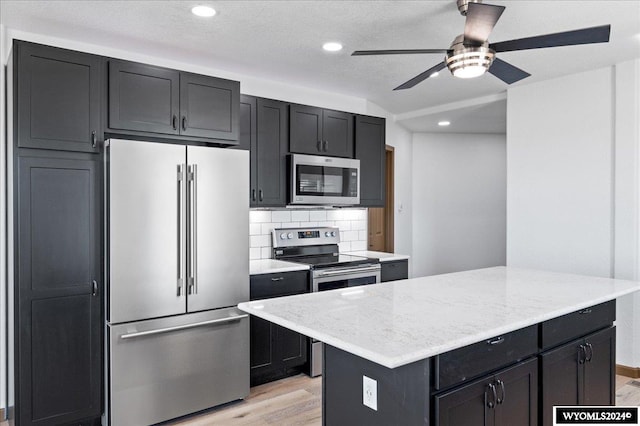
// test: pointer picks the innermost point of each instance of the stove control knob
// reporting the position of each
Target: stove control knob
(289, 235)
(327, 234)
(283, 236)
(333, 233)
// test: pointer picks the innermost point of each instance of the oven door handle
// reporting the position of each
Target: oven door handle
(323, 274)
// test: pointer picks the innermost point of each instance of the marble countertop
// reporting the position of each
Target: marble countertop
(380, 255)
(399, 322)
(272, 266)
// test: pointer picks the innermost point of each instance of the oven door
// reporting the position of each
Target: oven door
(324, 180)
(332, 279)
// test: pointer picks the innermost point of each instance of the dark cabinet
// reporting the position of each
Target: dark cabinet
(320, 131)
(57, 99)
(276, 352)
(370, 150)
(581, 372)
(509, 397)
(269, 155)
(58, 290)
(394, 270)
(154, 100)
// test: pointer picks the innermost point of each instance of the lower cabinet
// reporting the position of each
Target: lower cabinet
(508, 397)
(581, 372)
(394, 270)
(276, 352)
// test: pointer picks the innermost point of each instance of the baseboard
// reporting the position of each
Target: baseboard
(623, 370)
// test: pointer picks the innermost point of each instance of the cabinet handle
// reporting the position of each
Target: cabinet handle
(496, 341)
(491, 403)
(585, 311)
(588, 358)
(253, 195)
(500, 399)
(319, 145)
(174, 122)
(277, 279)
(582, 354)
(94, 142)
(326, 146)
(94, 288)
(260, 195)
(184, 122)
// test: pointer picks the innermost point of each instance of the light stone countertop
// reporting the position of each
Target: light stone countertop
(272, 266)
(399, 322)
(380, 255)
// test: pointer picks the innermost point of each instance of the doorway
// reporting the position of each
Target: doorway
(380, 221)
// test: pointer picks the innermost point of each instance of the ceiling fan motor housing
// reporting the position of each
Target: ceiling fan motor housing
(469, 61)
(463, 5)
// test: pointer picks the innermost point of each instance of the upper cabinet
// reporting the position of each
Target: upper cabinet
(320, 131)
(148, 99)
(370, 150)
(57, 98)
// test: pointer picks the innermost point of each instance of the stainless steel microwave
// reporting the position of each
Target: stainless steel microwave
(324, 180)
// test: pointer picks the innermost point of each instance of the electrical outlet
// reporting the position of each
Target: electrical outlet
(370, 392)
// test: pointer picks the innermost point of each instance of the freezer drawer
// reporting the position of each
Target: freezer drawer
(166, 368)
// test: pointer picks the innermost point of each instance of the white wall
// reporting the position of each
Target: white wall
(572, 181)
(459, 206)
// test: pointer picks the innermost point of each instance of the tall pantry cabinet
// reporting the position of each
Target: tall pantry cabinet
(55, 302)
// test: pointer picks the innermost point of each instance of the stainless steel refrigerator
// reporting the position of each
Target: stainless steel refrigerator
(177, 265)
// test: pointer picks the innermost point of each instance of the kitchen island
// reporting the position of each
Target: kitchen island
(459, 348)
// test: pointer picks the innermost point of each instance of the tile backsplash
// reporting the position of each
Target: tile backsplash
(352, 224)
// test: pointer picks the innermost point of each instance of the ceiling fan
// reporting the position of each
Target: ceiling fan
(471, 54)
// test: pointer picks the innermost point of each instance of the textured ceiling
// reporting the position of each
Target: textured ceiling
(281, 40)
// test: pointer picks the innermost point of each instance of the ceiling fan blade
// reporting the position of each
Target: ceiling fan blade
(481, 18)
(568, 38)
(396, 52)
(507, 72)
(421, 77)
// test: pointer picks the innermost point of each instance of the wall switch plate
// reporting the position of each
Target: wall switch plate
(370, 392)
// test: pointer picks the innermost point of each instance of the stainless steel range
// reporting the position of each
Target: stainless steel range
(318, 248)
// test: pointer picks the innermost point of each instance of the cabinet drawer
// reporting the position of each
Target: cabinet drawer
(274, 285)
(483, 357)
(576, 324)
(396, 270)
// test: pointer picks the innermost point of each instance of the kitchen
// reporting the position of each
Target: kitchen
(580, 134)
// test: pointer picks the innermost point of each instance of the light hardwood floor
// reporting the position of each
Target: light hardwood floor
(296, 401)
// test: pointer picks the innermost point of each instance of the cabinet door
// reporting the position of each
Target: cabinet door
(247, 141)
(517, 390)
(271, 153)
(465, 406)
(58, 98)
(209, 107)
(561, 378)
(261, 341)
(370, 150)
(397, 270)
(58, 322)
(143, 98)
(599, 368)
(306, 130)
(292, 347)
(337, 134)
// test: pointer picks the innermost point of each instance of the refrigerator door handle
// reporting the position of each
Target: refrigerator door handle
(180, 229)
(183, 327)
(193, 229)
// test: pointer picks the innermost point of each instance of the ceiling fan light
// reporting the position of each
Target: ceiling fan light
(469, 61)
(470, 71)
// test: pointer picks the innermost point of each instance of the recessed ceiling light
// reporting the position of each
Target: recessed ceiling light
(204, 11)
(443, 123)
(332, 46)
(435, 74)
